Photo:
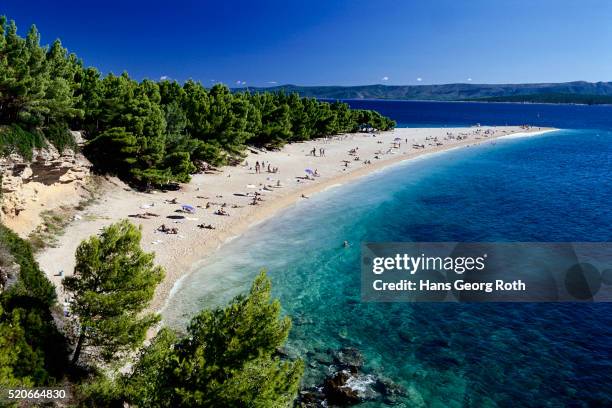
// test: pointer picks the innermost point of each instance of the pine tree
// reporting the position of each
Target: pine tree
(90, 92)
(15, 351)
(60, 99)
(32, 351)
(113, 282)
(227, 359)
(146, 132)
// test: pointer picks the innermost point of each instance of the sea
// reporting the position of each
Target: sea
(552, 187)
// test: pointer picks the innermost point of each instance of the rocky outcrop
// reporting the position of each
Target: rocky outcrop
(347, 384)
(48, 179)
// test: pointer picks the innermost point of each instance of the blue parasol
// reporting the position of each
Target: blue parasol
(188, 208)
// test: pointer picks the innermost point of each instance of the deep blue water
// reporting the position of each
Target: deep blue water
(440, 114)
(554, 187)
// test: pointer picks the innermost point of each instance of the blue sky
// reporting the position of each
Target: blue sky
(332, 42)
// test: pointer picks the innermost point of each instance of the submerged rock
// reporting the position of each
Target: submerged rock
(415, 398)
(406, 336)
(349, 358)
(391, 392)
(321, 357)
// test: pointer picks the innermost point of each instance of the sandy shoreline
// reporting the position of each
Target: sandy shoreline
(177, 253)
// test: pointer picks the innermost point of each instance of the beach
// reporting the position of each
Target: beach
(220, 205)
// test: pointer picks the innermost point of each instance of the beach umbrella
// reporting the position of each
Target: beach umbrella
(189, 208)
(309, 171)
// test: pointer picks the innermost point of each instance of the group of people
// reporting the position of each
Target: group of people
(313, 152)
(167, 230)
(206, 226)
(257, 197)
(221, 211)
(262, 165)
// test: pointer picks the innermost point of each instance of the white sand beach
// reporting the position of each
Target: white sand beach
(248, 197)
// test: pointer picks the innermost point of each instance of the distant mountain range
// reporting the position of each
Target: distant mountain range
(568, 92)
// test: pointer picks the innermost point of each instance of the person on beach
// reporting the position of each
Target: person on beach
(257, 168)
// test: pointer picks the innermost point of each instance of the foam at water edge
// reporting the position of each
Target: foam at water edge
(332, 186)
(177, 285)
(528, 134)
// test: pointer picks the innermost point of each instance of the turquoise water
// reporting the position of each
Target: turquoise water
(553, 187)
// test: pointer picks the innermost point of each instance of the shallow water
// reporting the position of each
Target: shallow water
(553, 187)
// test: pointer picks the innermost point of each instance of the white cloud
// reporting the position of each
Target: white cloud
(419, 79)
(239, 82)
(469, 79)
(272, 82)
(164, 77)
(385, 78)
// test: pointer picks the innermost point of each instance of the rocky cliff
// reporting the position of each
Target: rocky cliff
(50, 180)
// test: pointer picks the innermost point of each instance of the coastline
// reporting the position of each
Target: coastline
(180, 253)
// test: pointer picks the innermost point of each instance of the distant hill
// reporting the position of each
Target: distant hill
(457, 92)
(551, 98)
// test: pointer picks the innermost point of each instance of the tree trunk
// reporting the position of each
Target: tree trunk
(77, 350)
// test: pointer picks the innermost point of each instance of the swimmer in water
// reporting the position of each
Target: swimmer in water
(346, 244)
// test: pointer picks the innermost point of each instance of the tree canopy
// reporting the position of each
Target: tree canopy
(226, 359)
(32, 351)
(113, 282)
(148, 133)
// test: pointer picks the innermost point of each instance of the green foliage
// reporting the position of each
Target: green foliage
(33, 351)
(14, 139)
(37, 84)
(156, 146)
(148, 133)
(59, 135)
(113, 282)
(32, 281)
(227, 359)
(113, 149)
(99, 391)
(180, 166)
(146, 386)
(15, 352)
